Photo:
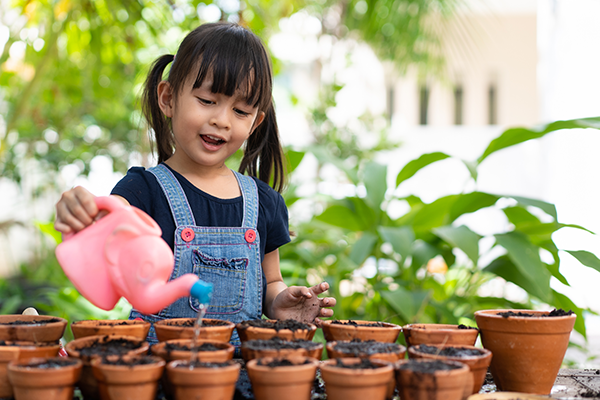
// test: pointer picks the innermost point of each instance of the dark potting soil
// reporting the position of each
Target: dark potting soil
(141, 360)
(201, 364)
(110, 347)
(52, 363)
(448, 351)
(32, 322)
(278, 343)
(427, 367)
(279, 362)
(461, 326)
(554, 313)
(192, 322)
(364, 363)
(354, 323)
(357, 347)
(184, 347)
(27, 344)
(278, 325)
(113, 323)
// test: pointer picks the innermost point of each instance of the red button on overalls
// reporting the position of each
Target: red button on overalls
(250, 235)
(188, 234)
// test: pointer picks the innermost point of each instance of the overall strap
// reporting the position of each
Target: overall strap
(180, 208)
(250, 196)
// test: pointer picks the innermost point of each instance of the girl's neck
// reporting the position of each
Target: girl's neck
(218, 182)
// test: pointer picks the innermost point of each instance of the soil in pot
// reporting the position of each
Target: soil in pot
(527, 349)
(445, 334)
(31, 328)
(363, 330)
(289, 378)
(44, 378)
(431, 379)
(183, 328)
(206, 350)
(356, 378)
(124, 327)
(128, 377)
(366, 349)
(264, 329)
(203, 380)
(277, 347)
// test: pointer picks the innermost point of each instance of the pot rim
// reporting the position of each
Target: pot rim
(332, 343)
(436, 327)
(98, 362)
(493, 314)
(225, 346)
(463, 367)
(311, 327)
(387, 325)
(300, 365)
(164, 323)
(172, 365)
(329, 365)
(484, 352)
(74, 346)
(110, 323)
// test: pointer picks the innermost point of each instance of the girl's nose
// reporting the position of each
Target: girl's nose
(220, 118)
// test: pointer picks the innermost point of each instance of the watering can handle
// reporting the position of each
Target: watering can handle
(108, 203)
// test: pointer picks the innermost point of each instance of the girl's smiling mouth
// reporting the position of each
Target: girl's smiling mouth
(212, 140)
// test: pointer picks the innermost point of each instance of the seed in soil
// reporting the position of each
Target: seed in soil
(354, 323)
(364, 363)
(188, 347)
(461, 326)
(278, 325)
(32, 322)
(357, 347)
(52, 363)
(109, 347)
(142, 360)
(278, 343)
(554, 313)
(449, 351)
(427, 367)
(280, 362)
(200, 364)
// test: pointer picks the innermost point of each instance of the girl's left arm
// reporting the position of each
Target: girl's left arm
(294, 302)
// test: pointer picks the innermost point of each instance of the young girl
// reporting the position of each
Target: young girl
(222, 225)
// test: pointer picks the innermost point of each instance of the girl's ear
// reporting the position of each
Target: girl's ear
(259, 119)
(165, 98)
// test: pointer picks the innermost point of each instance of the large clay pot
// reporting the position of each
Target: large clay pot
(24, 328)
(202, 382)
(528, 351)
(183, 328)
(290, 382)
(436, 385)
(276, 347)
(31, 383)
(478, 364)
(439, 334)
(357, 383)
(7, 354)
(248, 332)
(224, 352)
(129, 380)
(124, 327)
(350, 329)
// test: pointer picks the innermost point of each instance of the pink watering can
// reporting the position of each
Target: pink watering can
(123, 255)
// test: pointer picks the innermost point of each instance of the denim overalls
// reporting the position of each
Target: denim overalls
(227, 257)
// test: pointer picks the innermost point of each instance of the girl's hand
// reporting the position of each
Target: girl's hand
(302, 304)
(75, 210)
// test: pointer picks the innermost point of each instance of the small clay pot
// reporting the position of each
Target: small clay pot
(224, 352)
(528, 351)
(276, 347)
(33, 350)
(356, 383)
(439, 334)
(129, 377)
(124, 327)
(88, 383)
(249, 332)
(24, 328)
(450, 384)
(478, 363)
(290, 382)
(33, 383)
(183, 328)
(7, 354)
(363, 330)
(215, 382)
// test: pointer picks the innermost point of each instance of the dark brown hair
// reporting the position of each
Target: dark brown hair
(237, 60)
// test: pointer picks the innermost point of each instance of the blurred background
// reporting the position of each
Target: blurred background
(428, 175)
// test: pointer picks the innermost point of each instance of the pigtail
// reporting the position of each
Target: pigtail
(156, 119)
(263, 156)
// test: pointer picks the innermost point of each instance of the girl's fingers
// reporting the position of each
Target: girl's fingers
(320, 288)
(300, 291)
(326, 312)
(327, 302)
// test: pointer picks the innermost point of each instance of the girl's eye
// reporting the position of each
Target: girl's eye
(240, 112)
(205, 101)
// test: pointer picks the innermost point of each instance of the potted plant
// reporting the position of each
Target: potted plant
(262, 329)
(277, 347)
(363, 330)
(183, 328)
(44, 378)
(128, 377)
(275, 378)
(356, 378)
(439, 334)
(478, 360)
(31, 328)
(528, 346)
(431, 379)
(203, 380)
(126, 327)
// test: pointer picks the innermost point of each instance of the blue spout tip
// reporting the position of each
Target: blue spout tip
(202, 291)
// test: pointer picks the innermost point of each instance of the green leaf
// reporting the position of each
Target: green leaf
(400, 238)
(48, 229)
(375, 183)
(504, 267)
(463, 238)
(363, 248)
(412, 167)
(472, 167)
(586, 258)
(434, 214)
(423, 252)
(519, 215)
(515, 136)
(294, 159)
(341, 216)
(548, 208)
(471, 202)
(554, 270)
(562, 301)
(406, 303)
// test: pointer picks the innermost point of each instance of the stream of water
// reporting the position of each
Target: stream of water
(197, 327)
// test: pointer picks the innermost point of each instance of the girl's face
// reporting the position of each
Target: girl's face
(208, 127)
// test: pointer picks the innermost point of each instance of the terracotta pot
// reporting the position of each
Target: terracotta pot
(183, 328)
(528, 351)
(31, 332)
(247, 332)
(202, 382)
(32, 350)
(439, 334)
(387, 333)
(293, 382)
(7, 354)
(478, 364)
(224, 353)
(125, 327)
(437, 385)
(252, 349)
(31, 383)
(88, 383)
(356, 384)
(119, 382)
